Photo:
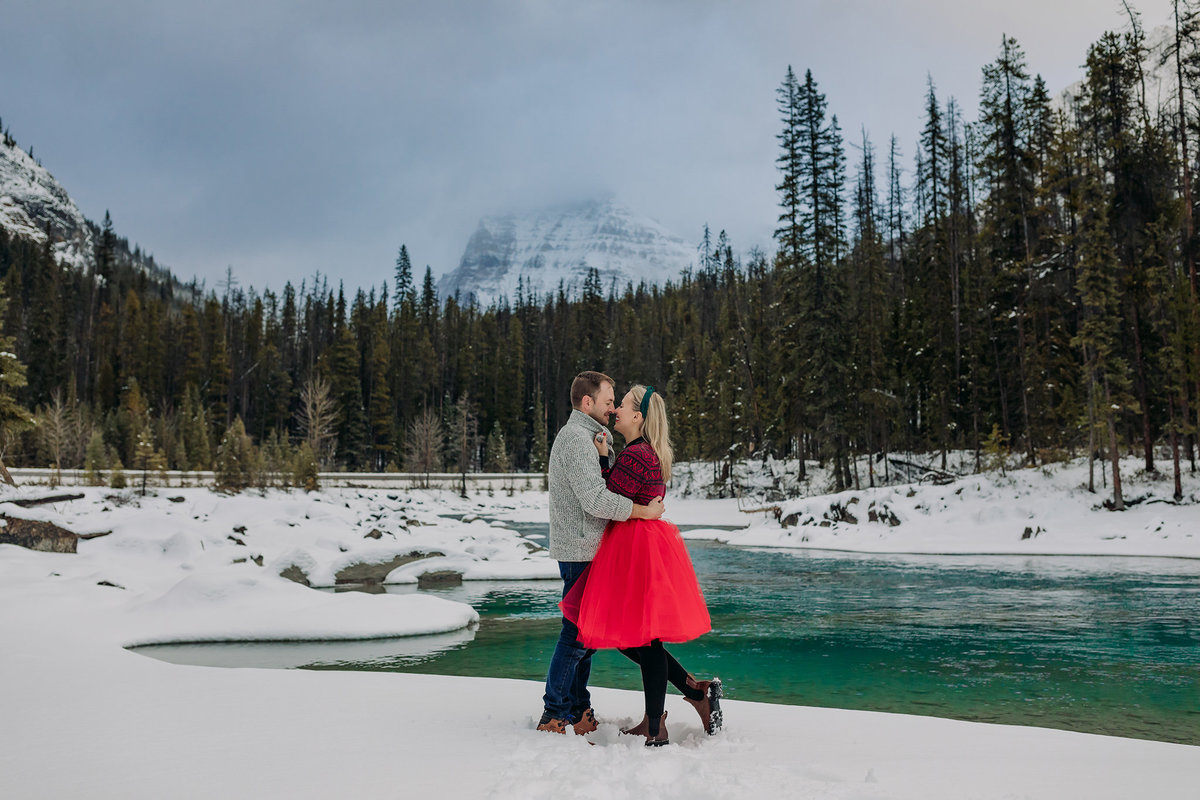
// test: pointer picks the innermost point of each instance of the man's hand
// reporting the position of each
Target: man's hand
(652, 511)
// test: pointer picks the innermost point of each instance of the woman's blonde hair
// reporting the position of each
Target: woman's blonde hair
(655, 429)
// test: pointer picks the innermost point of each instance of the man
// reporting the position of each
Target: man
(580, 508)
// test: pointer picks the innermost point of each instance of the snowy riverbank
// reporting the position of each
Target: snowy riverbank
(1044, 511)
(84, 717)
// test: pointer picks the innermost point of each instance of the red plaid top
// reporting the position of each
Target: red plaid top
(636, 474)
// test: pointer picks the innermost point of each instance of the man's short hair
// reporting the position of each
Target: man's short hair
(586, 384)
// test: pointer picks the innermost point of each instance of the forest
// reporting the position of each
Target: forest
(1024, 282)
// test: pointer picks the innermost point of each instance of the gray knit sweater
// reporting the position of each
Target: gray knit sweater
(580, 504)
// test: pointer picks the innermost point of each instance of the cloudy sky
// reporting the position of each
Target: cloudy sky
(285, 138)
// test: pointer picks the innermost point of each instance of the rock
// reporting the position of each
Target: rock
(294, 573)
(110, 583)
(175, 499)
(790, 519)
(37, 535)
(839, 513)
(470, 518)
(882, 514)
(375, 533)
(236, 540)
(257, 560)
(532, 547)
(440, 578)
(375, 572)
(240, 529)
(93, 535)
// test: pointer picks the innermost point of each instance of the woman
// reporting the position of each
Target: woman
(641, 589)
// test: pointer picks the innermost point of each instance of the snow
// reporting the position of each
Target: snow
(30, 199)
(1043, 511)
(85, 717)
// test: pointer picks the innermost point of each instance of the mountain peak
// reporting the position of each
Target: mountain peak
(561, 244)
(33, 203)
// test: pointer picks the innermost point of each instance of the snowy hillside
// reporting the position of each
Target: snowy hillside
(32, 201)
(561, 245)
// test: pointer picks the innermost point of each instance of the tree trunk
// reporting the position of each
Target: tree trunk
(7, 478)
(1175, 453)
(1029, 452)
(1143, 390)
(1114, 450)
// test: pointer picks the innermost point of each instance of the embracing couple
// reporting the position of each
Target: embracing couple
(628, 582)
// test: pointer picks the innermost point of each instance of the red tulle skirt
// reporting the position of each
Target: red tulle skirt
(640, 586)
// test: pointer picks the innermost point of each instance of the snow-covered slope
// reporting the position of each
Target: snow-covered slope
(561, 245)
(32, 202)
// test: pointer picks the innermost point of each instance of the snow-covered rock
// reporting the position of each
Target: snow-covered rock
(32, 202)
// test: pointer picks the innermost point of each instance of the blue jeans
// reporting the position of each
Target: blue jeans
(567, 695)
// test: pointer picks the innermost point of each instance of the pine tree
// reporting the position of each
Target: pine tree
(343, 363)
(1106, 371)
(404, 279)
(236, 456)
(381, 397)
(497, 459)
(791, 165)
(194, 428)
(95, 460)
(13, 416)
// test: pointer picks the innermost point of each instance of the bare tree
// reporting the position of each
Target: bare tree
(54, 425)
(317, 416)
(464, 439)
(423, 444)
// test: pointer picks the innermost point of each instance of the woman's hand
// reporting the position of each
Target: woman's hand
(601, 442)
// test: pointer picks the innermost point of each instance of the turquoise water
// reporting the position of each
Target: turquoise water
(1102, 645)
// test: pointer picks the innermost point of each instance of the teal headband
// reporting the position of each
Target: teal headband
(646, 399)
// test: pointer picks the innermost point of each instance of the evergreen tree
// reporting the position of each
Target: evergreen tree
(236, 459)
(497, 459)
(13, 416)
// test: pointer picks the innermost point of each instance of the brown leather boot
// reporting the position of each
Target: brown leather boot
(661, 739)
(643, 729)
(552, 725)
(586, 724)
(708, 707)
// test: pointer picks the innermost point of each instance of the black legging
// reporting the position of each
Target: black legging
(658, 667)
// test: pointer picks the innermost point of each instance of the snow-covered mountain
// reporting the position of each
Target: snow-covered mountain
(561, 245)
(32, 202)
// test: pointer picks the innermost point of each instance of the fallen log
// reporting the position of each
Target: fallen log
(30, 502)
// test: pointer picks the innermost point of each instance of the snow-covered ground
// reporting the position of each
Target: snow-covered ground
(85, 717)
(1044, 511)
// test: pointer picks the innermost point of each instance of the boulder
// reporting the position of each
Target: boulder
(439, 579)
(37, 535)
(375, 572)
